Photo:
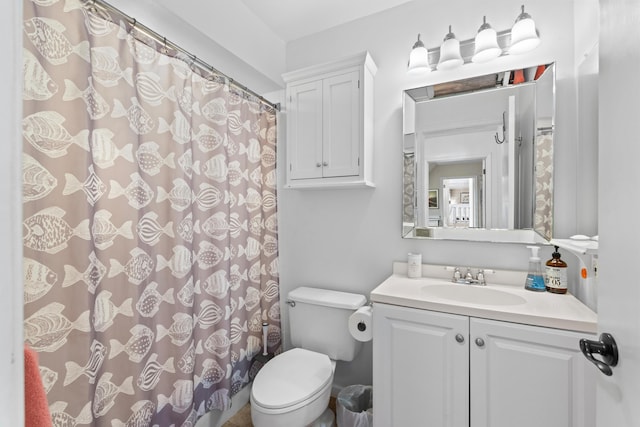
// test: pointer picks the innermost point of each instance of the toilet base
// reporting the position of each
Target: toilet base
(327, 419)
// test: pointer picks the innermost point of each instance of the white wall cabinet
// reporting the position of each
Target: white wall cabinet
(330, 124)
(446, 370)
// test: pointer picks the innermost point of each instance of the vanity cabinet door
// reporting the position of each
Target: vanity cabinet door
(529, 376)
(420, 368)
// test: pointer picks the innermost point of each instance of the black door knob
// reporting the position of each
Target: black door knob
(606, 348)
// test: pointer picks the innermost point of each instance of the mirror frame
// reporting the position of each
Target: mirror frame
(543, 124)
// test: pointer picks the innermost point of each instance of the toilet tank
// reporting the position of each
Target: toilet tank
(319, 321)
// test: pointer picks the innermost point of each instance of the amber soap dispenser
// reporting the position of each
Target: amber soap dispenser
(556, 274)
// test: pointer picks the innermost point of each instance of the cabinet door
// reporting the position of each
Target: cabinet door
(529, 376)
(305, 130)
(342, 125)
(420, 369)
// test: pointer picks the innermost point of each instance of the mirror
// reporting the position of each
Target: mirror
(478, 158)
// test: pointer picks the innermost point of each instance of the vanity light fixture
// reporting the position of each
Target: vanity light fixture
(524, 36)
(486, 46)
(450, 57)
(486, 43)
(419, 58)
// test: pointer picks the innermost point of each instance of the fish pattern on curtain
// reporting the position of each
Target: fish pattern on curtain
(409, 192)
(543, 218)
(150, 231)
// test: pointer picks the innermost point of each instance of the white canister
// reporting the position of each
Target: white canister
(414, 265)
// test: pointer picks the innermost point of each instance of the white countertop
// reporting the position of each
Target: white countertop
(561, 311)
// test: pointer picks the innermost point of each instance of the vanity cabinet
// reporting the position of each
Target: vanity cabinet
(330, 124)
(450, 370)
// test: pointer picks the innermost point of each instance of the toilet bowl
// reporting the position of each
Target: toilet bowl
(292, 390)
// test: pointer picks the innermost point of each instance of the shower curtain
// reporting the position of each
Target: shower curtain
(150, 231)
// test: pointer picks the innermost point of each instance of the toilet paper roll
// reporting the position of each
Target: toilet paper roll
(360, 324)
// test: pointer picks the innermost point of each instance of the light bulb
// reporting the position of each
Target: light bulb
(524, 36)
(450, 57)
(418, 58)
(486, 43)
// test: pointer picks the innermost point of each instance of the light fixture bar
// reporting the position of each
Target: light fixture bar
(467, 48)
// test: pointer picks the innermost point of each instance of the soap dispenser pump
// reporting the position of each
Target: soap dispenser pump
(535, 279)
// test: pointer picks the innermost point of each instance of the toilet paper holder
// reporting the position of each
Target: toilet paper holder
(361, 325)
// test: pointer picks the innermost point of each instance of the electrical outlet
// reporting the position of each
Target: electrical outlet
(594, 265)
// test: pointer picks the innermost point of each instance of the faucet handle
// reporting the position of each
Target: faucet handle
(456, 274)
(480, 277)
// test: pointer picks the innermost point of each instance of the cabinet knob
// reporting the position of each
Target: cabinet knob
(325, 163)
(479, 342)
(318, 164)
(460, 338)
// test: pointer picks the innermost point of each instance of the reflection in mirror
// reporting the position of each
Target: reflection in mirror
(478, 158)
(462, 195)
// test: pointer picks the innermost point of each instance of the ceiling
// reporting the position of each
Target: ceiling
(293, 19)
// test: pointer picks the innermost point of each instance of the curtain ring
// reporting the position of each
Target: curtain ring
(164, 48)
(133, 27)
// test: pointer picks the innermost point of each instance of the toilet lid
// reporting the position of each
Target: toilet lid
(290, 378)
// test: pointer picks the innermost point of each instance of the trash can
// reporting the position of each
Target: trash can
(354, 406)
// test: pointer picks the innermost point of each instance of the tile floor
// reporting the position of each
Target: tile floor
(243, 417)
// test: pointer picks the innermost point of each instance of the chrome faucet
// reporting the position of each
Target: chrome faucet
(468, 278)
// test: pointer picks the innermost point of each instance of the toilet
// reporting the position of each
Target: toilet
(293, 389)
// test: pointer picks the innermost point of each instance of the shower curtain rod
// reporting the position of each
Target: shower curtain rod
(91, 4)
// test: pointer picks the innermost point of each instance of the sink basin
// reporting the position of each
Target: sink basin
(472, 294)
